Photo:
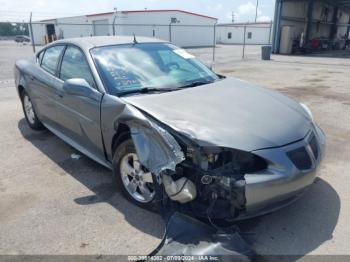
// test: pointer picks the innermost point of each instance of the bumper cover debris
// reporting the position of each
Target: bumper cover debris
(186, 236)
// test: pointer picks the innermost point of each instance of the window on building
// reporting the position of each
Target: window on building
(50, 59)
(173, 20)
(250, 35)
(229, 35)
(74, 65)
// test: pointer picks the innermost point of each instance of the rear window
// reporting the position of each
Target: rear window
(50, 59)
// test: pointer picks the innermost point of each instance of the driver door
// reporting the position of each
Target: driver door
(79, 116)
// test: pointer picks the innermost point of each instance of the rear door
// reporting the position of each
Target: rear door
(45, 85)
(79, 115)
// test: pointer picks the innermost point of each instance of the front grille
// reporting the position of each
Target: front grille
(314, 146)
(300, 158)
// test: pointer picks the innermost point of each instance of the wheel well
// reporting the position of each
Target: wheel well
(20, 91)
(122, 134)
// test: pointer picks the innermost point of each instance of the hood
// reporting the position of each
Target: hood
(228, 113)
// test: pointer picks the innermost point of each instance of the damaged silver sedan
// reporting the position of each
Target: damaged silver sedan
(172, 130)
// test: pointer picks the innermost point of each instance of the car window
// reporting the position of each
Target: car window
(74, 65)
(51, 57)
(40, 56)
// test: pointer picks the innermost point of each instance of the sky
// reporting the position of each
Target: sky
(244, 11)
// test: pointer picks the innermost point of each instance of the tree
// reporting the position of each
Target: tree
(12, 29)
(5, 29)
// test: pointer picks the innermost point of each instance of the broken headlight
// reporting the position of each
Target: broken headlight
(214, 158)
(231, 160)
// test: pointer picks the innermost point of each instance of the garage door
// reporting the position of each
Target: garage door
(101, 27)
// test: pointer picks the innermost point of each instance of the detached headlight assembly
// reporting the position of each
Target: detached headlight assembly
(308, 111)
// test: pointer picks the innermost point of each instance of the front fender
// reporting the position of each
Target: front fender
(157, 149)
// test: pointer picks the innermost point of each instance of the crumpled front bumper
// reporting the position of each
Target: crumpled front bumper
(282, 182)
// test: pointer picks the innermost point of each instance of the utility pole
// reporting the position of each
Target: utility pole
(115, 17)
(270, 32)
(256, 10)
(170, 31)
(31, 32)
(233, 17)
(245, 32)
(214, 45)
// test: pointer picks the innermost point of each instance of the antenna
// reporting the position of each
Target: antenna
(135, 41)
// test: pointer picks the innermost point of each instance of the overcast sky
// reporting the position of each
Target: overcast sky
(18, 10)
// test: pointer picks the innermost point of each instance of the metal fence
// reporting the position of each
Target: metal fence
(184, 35)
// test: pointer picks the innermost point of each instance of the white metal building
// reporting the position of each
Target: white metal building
(183, 28)
(254, 33)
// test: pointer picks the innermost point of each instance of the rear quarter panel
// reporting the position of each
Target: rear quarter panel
(33, 79)
(21, 73)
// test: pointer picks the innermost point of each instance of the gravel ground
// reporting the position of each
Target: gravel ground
(53, 204)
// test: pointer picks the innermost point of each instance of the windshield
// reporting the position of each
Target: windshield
(133, 67)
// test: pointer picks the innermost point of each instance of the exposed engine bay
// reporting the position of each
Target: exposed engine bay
(219, 178)
(212, 184)
(205, 181)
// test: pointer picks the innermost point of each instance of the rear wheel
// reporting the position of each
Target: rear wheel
(134, 180)
(29, 112)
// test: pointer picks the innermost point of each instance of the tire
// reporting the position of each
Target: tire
(125, 160)
(29, 112)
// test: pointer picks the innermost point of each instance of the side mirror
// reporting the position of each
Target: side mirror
(77, 87)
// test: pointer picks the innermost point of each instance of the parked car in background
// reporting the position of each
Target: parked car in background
(170, 128)
(22, 39)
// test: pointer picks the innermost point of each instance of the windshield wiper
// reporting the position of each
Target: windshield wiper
(146, 90)
(196, 83)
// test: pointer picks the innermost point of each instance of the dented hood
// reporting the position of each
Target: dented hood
(228, 113)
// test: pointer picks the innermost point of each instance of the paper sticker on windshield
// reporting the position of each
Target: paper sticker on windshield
(183, 53)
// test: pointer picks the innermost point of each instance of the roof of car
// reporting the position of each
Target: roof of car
(96, 41)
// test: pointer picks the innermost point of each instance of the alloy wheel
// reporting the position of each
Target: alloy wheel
(136, 179)
(28, 108)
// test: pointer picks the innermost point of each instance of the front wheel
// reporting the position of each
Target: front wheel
(134, 180)
(29, 112)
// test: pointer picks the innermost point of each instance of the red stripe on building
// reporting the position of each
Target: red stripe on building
(155, 11)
